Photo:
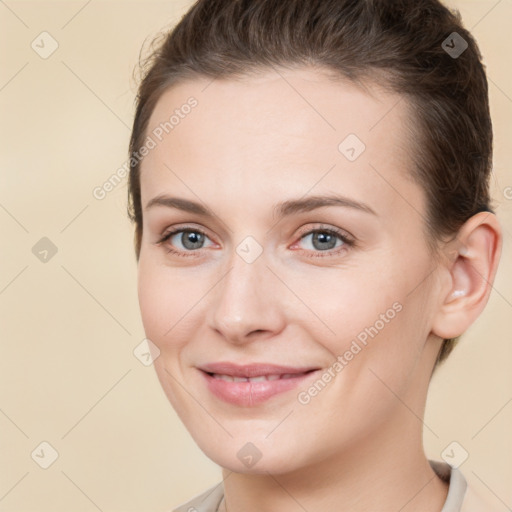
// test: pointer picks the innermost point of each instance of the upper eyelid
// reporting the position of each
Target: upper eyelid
(320, 227)
(324, 227)
(187, 227)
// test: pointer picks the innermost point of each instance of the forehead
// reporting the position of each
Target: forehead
(279, 132)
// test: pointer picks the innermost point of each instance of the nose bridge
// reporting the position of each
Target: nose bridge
(241, 304)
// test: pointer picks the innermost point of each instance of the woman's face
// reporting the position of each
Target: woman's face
(303, 249)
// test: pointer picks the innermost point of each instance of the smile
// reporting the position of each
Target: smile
(251, 385)
(260, 378)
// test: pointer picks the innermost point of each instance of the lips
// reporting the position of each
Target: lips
(253, 370)
(249, 385)
(260, 378)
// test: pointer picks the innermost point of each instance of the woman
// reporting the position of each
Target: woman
(313, 230)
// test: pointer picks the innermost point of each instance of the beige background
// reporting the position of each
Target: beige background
(69, 326)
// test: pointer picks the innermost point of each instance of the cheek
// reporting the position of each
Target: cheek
(373, 319)
(163, 307)
(172, 304)
(159, 303)
(348, 303)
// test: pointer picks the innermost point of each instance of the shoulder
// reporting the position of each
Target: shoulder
(207, 501)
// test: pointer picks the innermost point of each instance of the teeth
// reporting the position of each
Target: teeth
(260, 378)
(223, 377)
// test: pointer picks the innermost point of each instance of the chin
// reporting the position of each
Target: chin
(255, 458)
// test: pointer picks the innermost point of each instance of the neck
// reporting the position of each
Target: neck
(364, 478)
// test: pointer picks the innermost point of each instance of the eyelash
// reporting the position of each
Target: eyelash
(344, 237)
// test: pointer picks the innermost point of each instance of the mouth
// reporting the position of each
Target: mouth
(250, 385)
(259, 378)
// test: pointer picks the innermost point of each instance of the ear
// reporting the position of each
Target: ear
(470, 267)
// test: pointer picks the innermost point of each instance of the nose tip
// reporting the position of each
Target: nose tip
(237, 331)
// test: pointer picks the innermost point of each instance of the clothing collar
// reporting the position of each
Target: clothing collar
(210, 500)
(457, 485)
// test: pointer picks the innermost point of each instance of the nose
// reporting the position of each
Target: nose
(246, 303)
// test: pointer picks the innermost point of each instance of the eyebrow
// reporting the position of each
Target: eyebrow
(283, 209)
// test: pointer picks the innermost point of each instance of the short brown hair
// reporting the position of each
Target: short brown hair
(404, 44)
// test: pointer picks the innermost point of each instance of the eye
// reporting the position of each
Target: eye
(185, 240)
(330, 240)
(322, 241)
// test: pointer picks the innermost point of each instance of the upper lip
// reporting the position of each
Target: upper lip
(252, 370)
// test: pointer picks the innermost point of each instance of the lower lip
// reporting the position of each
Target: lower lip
(248, 394)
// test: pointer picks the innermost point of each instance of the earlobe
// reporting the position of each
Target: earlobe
(471, 270)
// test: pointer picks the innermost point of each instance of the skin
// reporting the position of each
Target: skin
(248, 145)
